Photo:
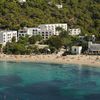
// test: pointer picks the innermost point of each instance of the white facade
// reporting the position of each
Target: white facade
(59, 6)
(45, 34)
(6, 36)
(76, 31)
(76, 49)
(21, 1)
(47, 30)
(93, 47)
(25, 31)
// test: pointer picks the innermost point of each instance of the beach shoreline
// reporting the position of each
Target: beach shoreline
(91, 60)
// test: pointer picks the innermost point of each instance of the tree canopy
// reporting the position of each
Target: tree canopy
(77, 13)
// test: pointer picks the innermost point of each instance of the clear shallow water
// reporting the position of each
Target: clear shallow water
(40, 81)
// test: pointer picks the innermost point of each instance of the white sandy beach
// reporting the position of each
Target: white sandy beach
(69, 59)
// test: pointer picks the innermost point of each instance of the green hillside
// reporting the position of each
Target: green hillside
(77, 13)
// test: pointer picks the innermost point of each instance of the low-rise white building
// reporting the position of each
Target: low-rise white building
(6, 36)
(59, 6)
(21, 1)
(93, 47)
(74, 31)
(76, 50)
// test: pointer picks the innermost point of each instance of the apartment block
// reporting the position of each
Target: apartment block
(6, 36)
(74, 31)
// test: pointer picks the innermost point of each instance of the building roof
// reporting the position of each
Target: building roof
(2, 31)
(55, 24)
(76, 46)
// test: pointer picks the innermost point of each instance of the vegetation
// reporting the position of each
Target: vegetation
(77, 13)
(0, 48)
(55, 41)
(23, 46)
(84, 14)
(29, 45)
(34, 39)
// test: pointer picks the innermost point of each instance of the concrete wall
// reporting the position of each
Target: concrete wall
(76, 49)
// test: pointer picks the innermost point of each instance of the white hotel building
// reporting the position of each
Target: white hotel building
(45, 30)
(74, 31)
(6, 36)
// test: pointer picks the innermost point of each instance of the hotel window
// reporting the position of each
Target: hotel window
(52, 27)
(48, 27)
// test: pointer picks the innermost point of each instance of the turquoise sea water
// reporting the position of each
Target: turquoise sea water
(41, 81)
